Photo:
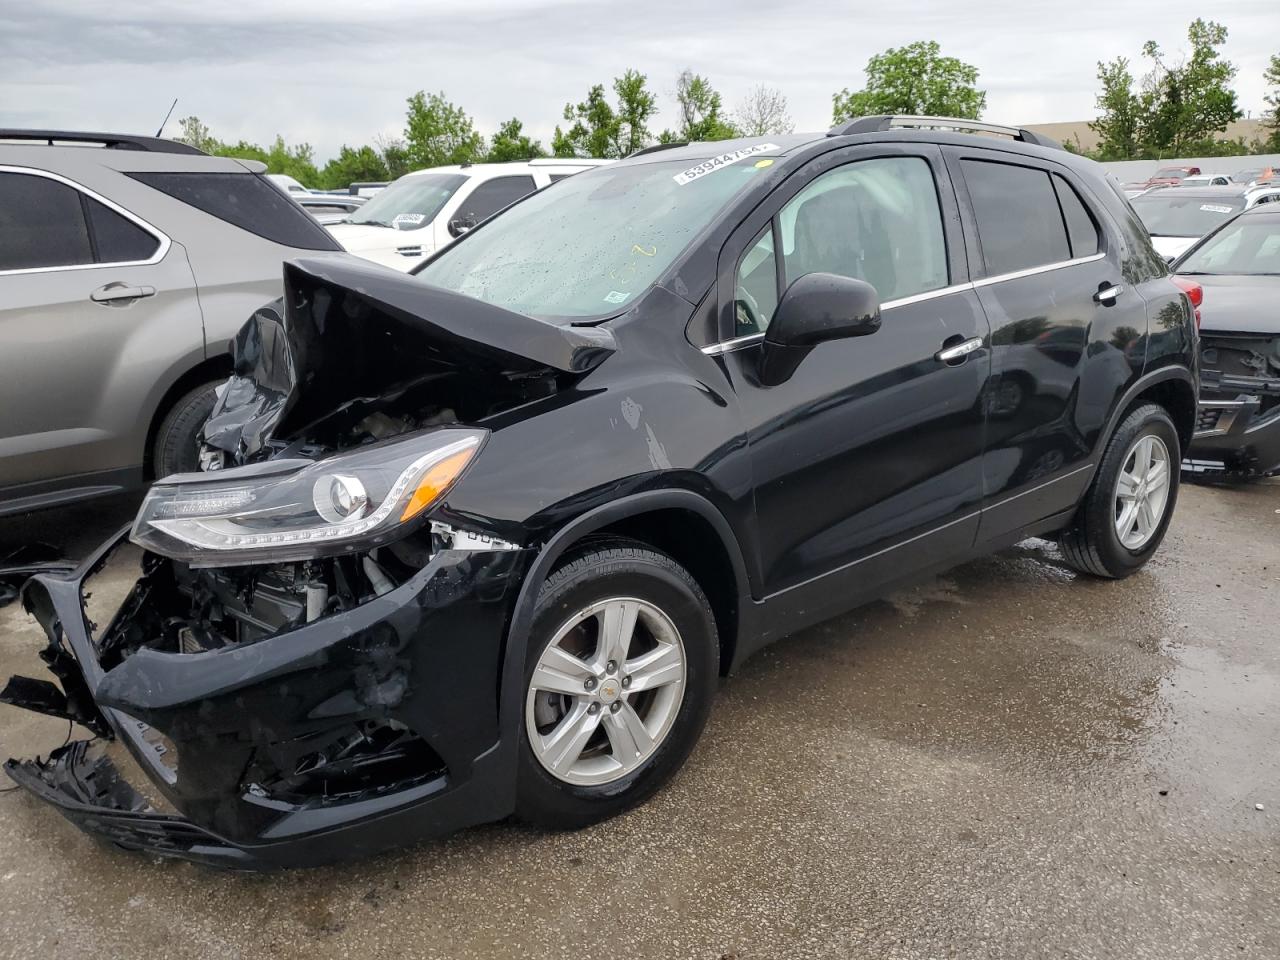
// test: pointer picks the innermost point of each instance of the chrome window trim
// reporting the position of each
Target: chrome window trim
(737, 343)
(1032, 271)
(161, 250)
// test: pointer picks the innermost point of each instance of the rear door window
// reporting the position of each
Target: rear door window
(1016, 211)
(1082, 231)
(42, 224)
(493, 195)
(247, 201)
(117, 239)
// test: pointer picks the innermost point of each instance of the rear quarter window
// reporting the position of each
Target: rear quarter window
(247, 201)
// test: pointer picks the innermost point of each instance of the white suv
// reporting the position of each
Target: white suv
(426, 210)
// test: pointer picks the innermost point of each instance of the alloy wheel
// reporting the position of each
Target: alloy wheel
(1142, 491)
(605, 691)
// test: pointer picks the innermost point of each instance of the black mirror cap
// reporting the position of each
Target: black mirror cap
(824, 306)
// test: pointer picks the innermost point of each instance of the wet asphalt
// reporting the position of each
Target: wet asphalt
(1005, 761)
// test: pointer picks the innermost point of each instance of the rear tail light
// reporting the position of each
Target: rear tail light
(1194, 292)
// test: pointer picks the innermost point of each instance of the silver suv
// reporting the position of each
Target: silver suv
(127, 264)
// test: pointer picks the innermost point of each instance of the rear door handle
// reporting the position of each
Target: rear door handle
(116, 292)
(957, 354)
(1108, 293)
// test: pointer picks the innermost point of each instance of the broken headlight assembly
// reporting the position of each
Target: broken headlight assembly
(298, 509)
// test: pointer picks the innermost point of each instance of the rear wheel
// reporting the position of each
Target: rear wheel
(1127, 510)
(621, 672)
(177, 447)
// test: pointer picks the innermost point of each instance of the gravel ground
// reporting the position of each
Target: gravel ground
(1006, 761)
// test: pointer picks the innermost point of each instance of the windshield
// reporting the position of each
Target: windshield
(1249, 247)
(598, 240)
(411, 202)
(1173, 216)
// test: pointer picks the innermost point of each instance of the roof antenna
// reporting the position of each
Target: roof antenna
(167, 116)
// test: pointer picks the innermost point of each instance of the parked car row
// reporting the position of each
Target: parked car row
(481, 539)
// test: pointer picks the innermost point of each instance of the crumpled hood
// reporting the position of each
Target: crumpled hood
(347, 329)
(1239, 304)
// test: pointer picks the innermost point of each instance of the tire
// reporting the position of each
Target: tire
(176, 447)
(1093, 544)
(606, 575)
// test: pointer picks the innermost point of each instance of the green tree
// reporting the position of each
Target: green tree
(914, 79)
(357, 165)
(511, 143)
(1179, 109)
(196, 134)
(438, 133)
(1120, 117)
(700, 116)
(1188, 102)
(394, 154)
(1271, 119)
(596, 129)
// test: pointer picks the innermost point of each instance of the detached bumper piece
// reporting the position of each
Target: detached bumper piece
(1235, 438)
(335, 737)
(87, 789)
(1238, 423)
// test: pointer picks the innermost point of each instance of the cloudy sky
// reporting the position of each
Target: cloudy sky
(330, 73)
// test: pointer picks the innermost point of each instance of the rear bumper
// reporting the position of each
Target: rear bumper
(232, 738)
(1232, 439)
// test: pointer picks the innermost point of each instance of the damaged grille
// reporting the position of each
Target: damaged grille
(369, 757)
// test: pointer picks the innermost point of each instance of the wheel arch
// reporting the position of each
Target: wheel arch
(217, 367)
(654, 517)
(1169, 387)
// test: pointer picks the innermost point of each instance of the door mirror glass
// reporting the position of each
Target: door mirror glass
(824, 306)
(460, 225)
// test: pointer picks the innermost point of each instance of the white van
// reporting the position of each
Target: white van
(427, 209)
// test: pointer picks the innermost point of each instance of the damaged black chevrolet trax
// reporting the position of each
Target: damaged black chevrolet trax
(481, 541)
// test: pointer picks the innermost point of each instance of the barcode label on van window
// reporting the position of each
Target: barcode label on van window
(716, 163)
(1215, 208)
(413, 219)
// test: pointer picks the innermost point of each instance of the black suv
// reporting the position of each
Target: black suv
(483, 539)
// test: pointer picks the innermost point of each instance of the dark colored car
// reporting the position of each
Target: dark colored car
(1238, 267)
(483, 540)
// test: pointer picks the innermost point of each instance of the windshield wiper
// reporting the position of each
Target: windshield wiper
(370, 223)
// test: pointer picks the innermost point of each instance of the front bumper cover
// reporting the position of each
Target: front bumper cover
(222, 734)
(1232, 439)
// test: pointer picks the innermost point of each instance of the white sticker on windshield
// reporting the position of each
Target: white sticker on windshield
(616, 296)
(1215, 208)
(413, 219)
(715, 163)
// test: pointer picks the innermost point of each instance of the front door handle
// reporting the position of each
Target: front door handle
(959, 352)
(121, 294)
(1108, 293)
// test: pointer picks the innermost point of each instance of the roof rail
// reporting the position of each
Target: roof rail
(114, 141)
(658, 146)
(881, 123)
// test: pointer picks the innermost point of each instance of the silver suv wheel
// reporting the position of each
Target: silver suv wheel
(606, 691)
(1142, 491)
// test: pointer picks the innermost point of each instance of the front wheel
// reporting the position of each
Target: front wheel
(622, 668)
(1127, 509)
(177, 443)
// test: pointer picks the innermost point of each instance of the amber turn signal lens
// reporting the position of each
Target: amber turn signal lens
(435, 482)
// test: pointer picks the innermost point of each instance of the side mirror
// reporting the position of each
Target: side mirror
(815, 308)
(460, 226)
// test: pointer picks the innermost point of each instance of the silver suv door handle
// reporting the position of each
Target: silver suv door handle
(959, 351)
(1108, 294)
(114, 292)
